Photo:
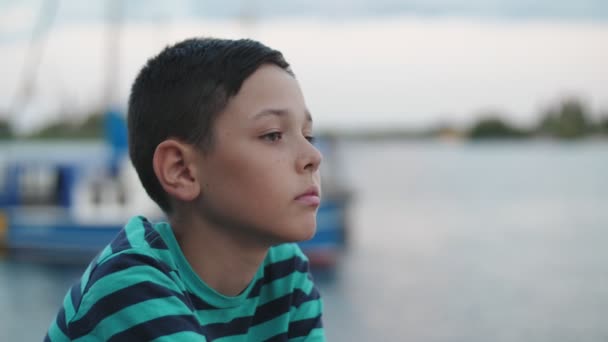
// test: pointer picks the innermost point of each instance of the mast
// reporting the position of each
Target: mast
(33, 57)
(114, 123)
(114, 14)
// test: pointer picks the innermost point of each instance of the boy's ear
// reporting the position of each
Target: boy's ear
(175, 167)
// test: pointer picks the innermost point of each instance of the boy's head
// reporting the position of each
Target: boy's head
(212, 122)
(179, 93)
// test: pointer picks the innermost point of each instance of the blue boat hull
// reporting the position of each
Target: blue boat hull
(63, 238)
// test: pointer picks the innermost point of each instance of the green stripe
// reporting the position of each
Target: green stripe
(165, 256)
(270, 328)
(68, 306)
(119, 280)
(284, 252)
(283, 286)
(234, 338)
(297, 251)
(185, 336)
(135, 235)
(224, 315)
(307, 310)
(106, 252)
(85, 277)
(140, 313)
(101, 258)
(306, 285)
(55, 334)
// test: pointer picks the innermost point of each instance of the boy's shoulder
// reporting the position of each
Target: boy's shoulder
(132, 269)
(137, 253)
(135, 249)
(137, 238)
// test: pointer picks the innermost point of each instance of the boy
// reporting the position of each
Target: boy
(220, 137)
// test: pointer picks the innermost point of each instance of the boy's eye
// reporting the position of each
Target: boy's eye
(310, 139)
(274, 136)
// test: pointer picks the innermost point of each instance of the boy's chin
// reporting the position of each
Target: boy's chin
(300, 233)
(306, 234)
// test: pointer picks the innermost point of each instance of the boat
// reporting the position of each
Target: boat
(65, 201)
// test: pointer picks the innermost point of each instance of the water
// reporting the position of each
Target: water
(492, 242)
(450, 242)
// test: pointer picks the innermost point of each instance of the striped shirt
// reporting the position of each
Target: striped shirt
(141, 288)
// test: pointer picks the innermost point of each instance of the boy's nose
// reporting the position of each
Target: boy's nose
(310, 158)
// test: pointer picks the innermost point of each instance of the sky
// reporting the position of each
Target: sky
(361, 64)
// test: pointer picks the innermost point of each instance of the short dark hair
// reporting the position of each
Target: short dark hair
(179, 93)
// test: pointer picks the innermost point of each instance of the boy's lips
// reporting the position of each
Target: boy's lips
(310, 197)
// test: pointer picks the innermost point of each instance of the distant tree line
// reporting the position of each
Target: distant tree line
(570, 119)
(5, 130)
(89, 128)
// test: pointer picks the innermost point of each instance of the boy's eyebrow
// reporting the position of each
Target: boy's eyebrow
(279, 112)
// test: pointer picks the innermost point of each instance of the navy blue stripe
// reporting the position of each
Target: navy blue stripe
(76, 295)
(158, 327)
(272, 309)
(61, 321)
(300, 297)
(263, 313)
(146, 223)
(237, 326)
(198, 303)
(256, 289)
(277, 338)
(284, 268)
(47, 338)
(281, 305)
(304, 327)
(154, 240)
(119, 300)
(122, 262)
(120, 242)
(152, 237)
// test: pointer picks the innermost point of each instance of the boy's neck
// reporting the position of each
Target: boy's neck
(225, 262)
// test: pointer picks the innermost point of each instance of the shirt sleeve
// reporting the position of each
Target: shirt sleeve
(133, 298)
(306, 322)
